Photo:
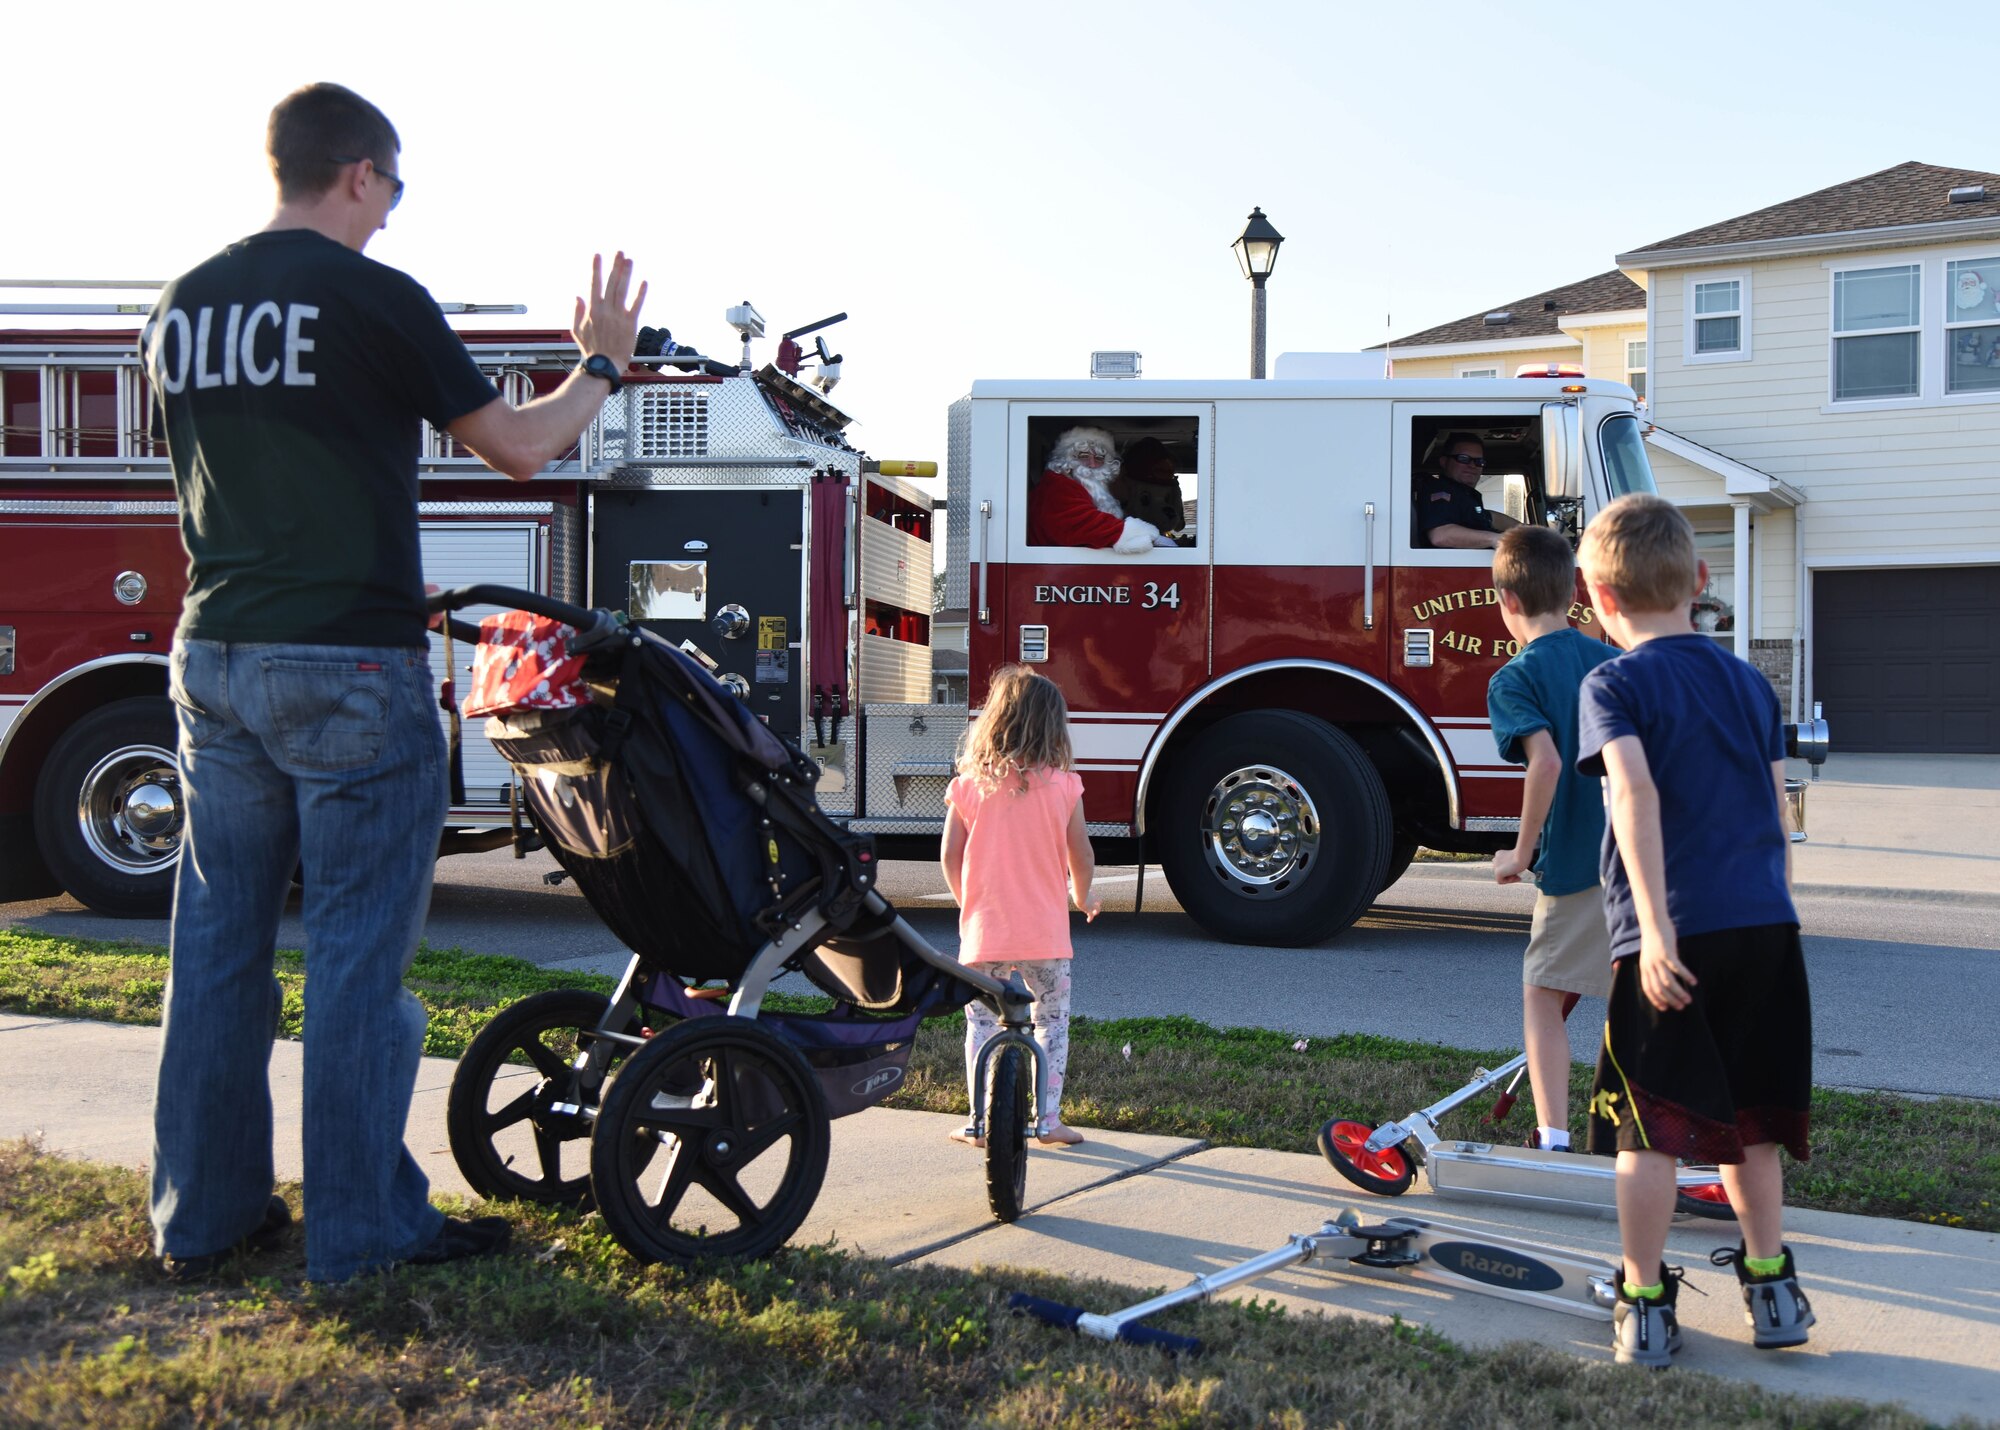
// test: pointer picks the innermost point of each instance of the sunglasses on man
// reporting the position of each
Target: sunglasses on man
(1454, 457)
(395, 195)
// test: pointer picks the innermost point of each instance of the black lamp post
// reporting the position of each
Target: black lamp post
(1257, 254)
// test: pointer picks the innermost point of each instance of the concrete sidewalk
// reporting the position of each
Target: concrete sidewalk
(1902, 826)
(1908, 1313)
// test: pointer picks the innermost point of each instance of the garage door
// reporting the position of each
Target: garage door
(1908, 660)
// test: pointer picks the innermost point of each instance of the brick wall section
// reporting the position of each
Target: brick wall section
(1774, 659)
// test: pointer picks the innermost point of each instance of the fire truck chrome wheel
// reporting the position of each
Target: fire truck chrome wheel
(109, 814)
(128, 808)
(1273, 828)
(1261, 828)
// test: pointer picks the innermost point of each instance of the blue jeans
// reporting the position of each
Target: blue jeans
(328, 757)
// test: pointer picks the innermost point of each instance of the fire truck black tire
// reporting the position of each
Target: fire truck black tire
(1402, 854)
(108, 809)
(1307, 777)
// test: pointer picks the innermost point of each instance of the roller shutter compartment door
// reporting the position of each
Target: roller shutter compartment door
(1907, 660)
(467, 553)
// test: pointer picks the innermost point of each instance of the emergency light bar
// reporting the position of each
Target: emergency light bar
(1114, 364)
(1550, 369)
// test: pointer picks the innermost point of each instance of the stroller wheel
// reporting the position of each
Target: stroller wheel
(1008, 1109)
(711, 1142)
(1387, 1173)
(506, 1135)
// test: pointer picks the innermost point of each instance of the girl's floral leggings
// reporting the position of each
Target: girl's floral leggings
(1048, 980)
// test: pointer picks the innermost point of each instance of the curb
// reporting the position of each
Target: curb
(1979, 898)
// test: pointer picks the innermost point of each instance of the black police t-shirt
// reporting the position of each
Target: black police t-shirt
(292, 374)
(1444, 502)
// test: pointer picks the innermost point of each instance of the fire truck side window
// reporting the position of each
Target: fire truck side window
(1084, 469)
(1508, 482)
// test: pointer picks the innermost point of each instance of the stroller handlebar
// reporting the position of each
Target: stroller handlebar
(591, 625)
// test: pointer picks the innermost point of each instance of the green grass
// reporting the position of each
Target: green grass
(1873, 1153)
(567, 1331)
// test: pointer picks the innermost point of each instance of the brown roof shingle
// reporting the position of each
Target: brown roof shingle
(1909, 193)
(1536, 316)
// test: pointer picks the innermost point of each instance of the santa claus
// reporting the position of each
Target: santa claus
(1072, 504)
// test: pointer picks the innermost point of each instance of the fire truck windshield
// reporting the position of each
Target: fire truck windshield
(1625, 467)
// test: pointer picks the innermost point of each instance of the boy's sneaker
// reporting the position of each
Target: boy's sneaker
(277, 1217)
(1775, 1307)
(1646, 1332)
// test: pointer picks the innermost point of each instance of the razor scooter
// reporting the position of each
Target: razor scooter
(1413, 1247)
(1384, 1160)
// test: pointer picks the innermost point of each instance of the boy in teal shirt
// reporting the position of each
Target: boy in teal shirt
(1532, 702)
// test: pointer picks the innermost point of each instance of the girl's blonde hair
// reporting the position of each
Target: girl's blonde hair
(1024, 726)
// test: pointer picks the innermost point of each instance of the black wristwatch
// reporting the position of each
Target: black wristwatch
(598, 365)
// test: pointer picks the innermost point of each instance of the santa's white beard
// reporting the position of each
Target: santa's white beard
(1098, 483)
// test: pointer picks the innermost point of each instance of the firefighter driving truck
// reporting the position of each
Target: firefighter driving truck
(1278, 703)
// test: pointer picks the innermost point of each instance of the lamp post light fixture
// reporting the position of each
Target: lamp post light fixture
(1257, 254)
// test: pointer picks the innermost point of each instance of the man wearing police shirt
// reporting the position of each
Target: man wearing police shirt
(293, 376)
(1449, 510)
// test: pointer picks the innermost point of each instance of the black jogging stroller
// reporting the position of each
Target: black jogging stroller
(694, 1120)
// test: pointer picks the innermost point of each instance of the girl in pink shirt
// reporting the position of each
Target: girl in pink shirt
(1014, 843)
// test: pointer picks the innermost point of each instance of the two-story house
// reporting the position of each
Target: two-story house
(1824, 376)
(1598, 324)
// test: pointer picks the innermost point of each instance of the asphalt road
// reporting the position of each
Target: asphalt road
(1904, 990)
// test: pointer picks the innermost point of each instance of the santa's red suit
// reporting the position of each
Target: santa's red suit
(1072, 504)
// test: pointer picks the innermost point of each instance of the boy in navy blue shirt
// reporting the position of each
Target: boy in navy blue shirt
(1708, 1039)
(1532, 702)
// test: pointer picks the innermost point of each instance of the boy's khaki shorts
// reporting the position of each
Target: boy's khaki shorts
(1569, 947)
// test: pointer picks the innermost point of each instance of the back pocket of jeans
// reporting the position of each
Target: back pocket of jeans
(330, 715)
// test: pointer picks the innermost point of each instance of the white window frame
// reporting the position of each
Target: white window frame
(1478, 370)
(1631, 343)
(1947, 327)
(1834, 337)
(1932, 351)
(1741, 352)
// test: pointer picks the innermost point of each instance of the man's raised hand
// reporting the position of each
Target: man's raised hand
(604, 325)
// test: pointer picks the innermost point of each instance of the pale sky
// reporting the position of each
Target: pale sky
(990, 191)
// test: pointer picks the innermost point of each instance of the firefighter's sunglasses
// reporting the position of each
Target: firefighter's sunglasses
(395, 196)
(1454, 457)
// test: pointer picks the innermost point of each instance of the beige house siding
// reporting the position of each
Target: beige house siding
(1604, 349)
(1506, 363)
(1901, 485)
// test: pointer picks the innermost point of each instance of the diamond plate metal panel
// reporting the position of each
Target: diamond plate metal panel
(958, 504)
(565, 554)
(839, 790)
(911, 750)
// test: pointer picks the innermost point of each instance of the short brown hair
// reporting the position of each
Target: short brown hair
(313, 128)
(1642, 548)
(1536, 565)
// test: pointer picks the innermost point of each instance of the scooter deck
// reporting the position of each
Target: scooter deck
(1528, 1176)
(1550, 1277)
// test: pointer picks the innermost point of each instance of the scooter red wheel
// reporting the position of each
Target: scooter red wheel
(1387, 1173)
(1708, 1200)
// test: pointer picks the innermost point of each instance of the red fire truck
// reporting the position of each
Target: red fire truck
(1278, 710)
